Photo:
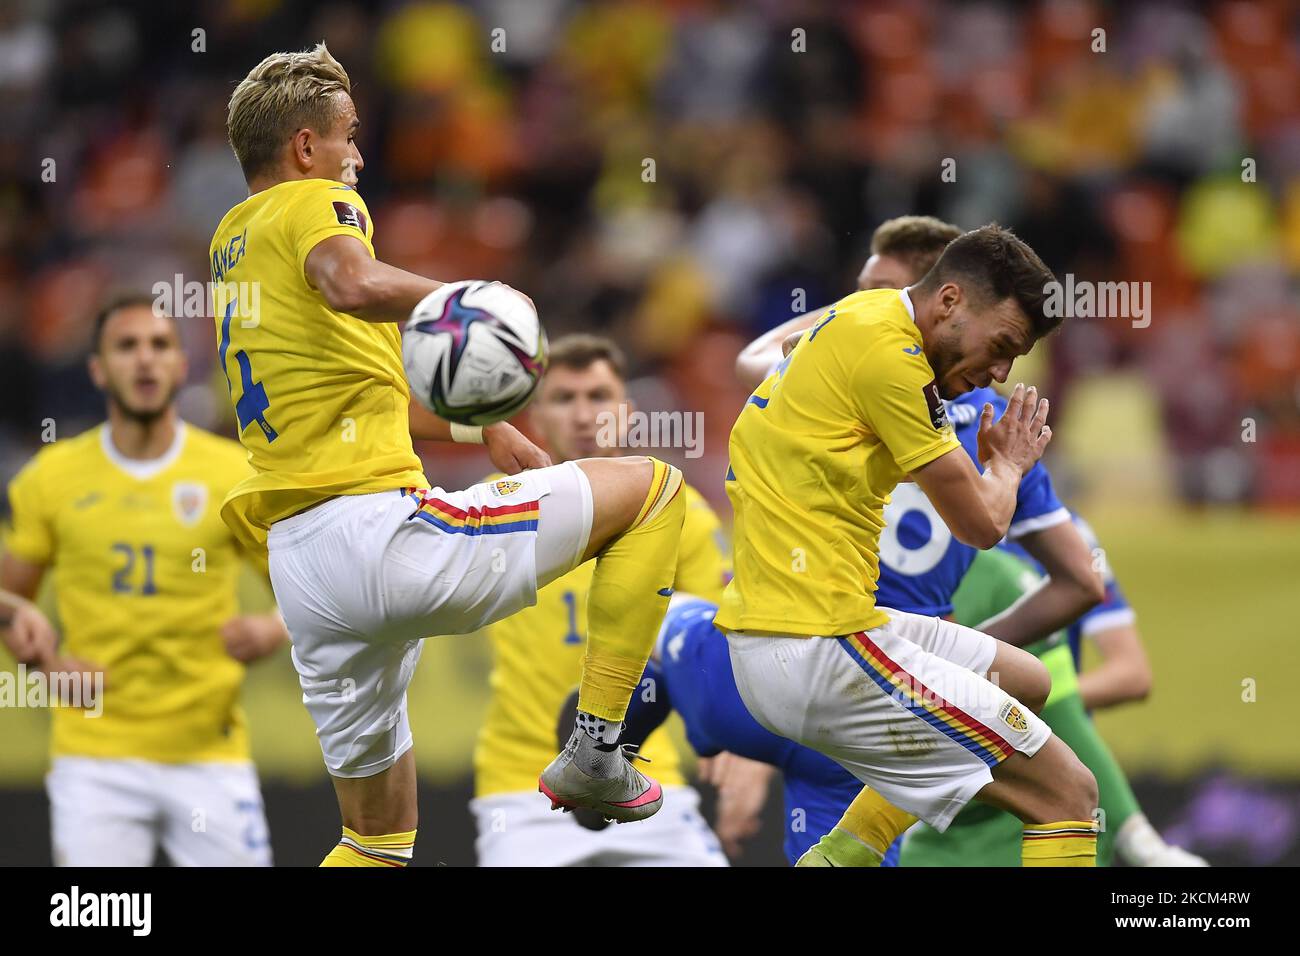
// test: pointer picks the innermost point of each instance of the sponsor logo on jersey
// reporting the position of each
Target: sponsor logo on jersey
(350, 215)
(1013, 717)
(189, 501)
(938, 414)
(503, 488)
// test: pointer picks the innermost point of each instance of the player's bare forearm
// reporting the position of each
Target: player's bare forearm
(1124, 674)
(999, 485)
(343, 271)
(426, 426)
(757, 358)
(1071, 589)
(976, 508)
(1040, 613)
(507, 447)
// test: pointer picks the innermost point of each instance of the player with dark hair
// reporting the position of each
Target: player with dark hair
(124, 518)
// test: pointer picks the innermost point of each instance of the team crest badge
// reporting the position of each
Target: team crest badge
(506, 487)
(189, 501)
(1014, 717)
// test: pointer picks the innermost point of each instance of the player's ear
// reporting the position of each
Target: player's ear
(302, 148)
(949, 298)
(95, 366)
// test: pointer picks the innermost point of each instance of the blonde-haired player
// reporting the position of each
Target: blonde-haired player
(125, 518)
(367, 560)
(537, 660)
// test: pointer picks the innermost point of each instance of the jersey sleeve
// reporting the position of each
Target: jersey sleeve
(325, 209)
(30, 534)
(895, 392)
(703, 566)
(1037, 506)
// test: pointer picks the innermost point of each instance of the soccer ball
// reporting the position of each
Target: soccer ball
(474, 352)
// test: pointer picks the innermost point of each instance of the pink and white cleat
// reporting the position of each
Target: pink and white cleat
(600, 777)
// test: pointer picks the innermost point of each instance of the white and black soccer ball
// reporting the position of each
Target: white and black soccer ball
(474, 352)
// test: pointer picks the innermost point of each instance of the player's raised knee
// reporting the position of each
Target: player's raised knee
(630, 492)
(664, 496)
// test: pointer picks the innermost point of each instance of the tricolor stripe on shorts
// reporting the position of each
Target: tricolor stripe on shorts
(499, 519)
(952, 721)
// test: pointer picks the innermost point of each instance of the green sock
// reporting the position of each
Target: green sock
(844, 849)
(1066, 715)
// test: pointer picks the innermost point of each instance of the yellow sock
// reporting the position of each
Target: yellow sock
(390, 849)
(629, 595)
(1068, 843)
(865, 833)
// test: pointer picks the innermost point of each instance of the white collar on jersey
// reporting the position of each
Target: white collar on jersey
(142, 469)
(907, 302)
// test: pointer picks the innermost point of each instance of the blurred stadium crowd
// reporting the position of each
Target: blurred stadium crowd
(781, 132)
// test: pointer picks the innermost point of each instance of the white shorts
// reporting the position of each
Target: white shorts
(112, 812)
(517, 829)
(362, 579)
(904, 707)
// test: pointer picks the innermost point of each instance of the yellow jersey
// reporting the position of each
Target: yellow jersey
(145, 573)
(320, 396)
(814, 456)
(537, 662)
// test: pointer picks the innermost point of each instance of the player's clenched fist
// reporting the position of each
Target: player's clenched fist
(249, 636)
(1021, 435)
(510, 450)
(30, 638)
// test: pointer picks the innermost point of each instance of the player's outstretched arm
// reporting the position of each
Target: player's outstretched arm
(1124, 673)
(978, 508)
(757, 358)
(1072, 587)
(343, 271)
(507, 447)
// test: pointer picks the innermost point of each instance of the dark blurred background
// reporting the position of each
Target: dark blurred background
(781, 134)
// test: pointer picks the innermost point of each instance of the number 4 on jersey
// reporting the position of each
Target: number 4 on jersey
(253, 401)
